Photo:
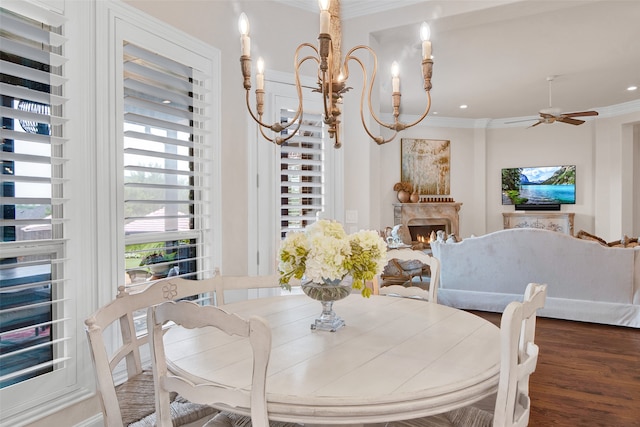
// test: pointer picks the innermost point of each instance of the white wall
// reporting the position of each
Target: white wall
(602, 150)
(544, 145)
(604, 199)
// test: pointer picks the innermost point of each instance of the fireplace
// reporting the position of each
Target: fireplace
(422, 218)
(422, 233)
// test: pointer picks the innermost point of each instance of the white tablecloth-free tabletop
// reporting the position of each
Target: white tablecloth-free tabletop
(396, 358)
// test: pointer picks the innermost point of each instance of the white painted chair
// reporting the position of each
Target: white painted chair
(191, 315)
(518, 360)
(131, 397)
(430, 294)
(234, 283)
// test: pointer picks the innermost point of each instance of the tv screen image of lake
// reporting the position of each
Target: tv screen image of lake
(546, 185)
(546, 194)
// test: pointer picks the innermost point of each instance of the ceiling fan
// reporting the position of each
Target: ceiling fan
(554, 114)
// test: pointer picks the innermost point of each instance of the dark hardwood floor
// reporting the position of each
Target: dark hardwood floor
(588, 375)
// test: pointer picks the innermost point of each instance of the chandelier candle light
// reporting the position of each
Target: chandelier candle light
(332, 78)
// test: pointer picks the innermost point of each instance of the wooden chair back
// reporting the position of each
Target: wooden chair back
(230, 283)
(190, 315)
(518, 358)
(430, 294)
(121, 323)
(405, 292)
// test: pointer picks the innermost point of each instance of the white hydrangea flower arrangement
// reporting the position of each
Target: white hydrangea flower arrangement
(324, 253)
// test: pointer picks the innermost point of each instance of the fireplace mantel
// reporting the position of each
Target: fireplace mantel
(428, 214)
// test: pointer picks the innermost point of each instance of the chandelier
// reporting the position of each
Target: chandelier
(332, 76)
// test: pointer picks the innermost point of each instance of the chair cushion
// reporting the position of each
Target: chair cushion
(228, 419)
(182, 412)
(440, 420)
(470, 416)
(137, 404)
(136, 397)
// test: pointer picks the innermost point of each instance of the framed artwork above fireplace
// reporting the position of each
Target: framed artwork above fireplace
(425, 163)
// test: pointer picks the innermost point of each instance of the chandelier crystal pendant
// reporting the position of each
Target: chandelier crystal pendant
(332, 76)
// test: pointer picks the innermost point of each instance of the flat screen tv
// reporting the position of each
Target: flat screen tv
(544, 187)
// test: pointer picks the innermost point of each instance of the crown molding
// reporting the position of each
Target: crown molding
(352, 8)
(461, 123)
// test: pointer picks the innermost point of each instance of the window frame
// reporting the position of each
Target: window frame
(126, 23)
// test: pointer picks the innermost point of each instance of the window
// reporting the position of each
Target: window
(165, 104)
(35, 326)
(302, 171)
(73, 194)
(165, 161)
(295, 180)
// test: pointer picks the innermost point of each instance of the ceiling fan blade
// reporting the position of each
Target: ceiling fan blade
(580, 114)
(546, 115)
(569, 120)
(536, 124)
(520, 121)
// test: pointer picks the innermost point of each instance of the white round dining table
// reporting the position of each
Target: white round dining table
(396, 358)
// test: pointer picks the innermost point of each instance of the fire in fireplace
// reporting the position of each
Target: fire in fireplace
(422, 233)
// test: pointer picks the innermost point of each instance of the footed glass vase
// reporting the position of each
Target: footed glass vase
(327, 294)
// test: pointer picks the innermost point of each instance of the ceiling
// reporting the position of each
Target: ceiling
(496, 59)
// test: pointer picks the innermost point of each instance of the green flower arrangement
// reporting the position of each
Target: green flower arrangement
(324, 253)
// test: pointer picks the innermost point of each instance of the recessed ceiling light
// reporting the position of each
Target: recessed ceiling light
(434, 113)
(463, 106)
(630, 88)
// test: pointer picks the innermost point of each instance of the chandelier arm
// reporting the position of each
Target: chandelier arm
(426, 111)
(276, 127)
(264, 135)
(349, 56)
(296, 67)
(378, 139)
(280, 140)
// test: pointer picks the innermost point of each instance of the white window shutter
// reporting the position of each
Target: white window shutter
(37, 321)
(302, 173)
(167, 161)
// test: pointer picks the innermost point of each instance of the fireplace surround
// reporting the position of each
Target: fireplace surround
(422, 218)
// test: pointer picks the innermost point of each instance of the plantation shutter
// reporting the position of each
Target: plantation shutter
(36, 317)
(302, 169)
(166, 165)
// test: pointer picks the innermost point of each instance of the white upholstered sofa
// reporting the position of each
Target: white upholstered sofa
(586, 280)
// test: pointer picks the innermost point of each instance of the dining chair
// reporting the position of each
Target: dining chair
(518, 360)
(413, 291)
(190, 315)
(261, 282)
(124, 385)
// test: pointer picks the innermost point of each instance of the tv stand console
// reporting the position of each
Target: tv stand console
(554, 221)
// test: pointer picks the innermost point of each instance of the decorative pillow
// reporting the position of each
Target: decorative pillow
(586, 236)
(625, 242)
